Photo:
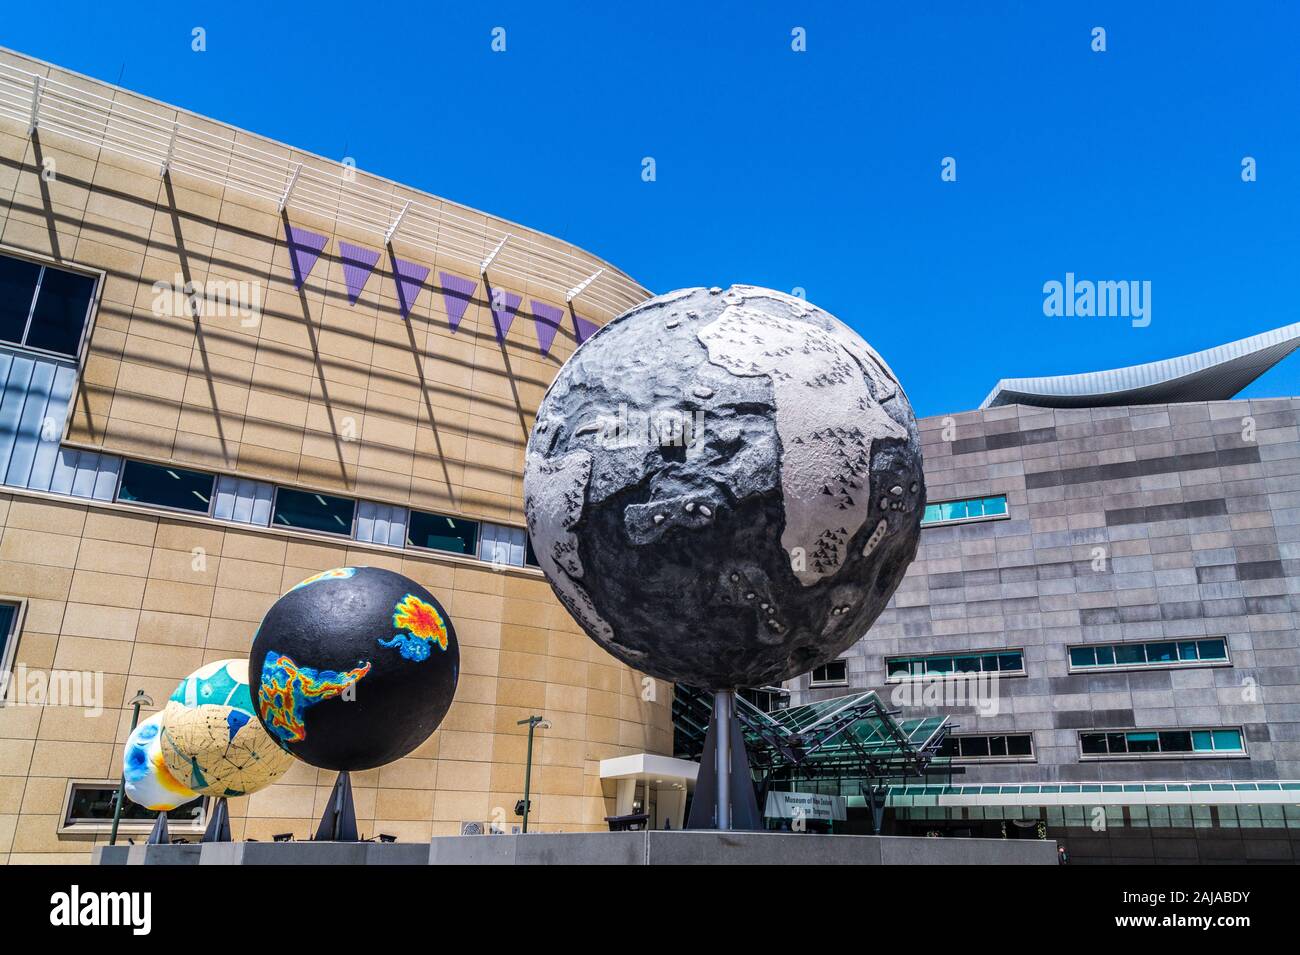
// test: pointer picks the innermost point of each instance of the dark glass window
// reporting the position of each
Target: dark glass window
(1212, 649)
(7, 614)
(837, 671)
(309, 511)
(1117, 742)
(95, 803)
(1021, 744)
(1143, 742)
(1011, 662)
(18, 279)
(899, 668)
(530, 558)
(968, 664)
(980, 746)
(1175, 741)
(439, 532)
(57, 303)
(1093, 743)
(1130, 653)
(62, 305)
(1161, 653)
(166, 487)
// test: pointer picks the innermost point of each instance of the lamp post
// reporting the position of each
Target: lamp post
(140, 699)
(533, 723)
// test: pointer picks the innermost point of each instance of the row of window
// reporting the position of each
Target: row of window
(970, 509)
(910, 668)
(1153, 655)
(42, 307)
(1161, 653)
(1127, 743)
(992, 746)
(180, 489)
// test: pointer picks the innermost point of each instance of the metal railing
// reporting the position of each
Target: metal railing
(337, 191)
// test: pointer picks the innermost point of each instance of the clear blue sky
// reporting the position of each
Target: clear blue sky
(818, 169)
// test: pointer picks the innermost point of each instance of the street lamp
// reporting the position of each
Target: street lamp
(534, 722)
(140, 699)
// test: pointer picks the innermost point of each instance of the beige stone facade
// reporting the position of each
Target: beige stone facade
(311, 392)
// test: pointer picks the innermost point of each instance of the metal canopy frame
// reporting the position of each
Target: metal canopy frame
(848, 737)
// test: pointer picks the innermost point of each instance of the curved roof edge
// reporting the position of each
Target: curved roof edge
(1215, 374)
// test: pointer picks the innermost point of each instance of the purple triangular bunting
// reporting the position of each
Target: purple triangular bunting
(504, 306)
(456, 294)
(304, 249)
(583, 329)
(547, 318)
(358, 263)
(409, 278)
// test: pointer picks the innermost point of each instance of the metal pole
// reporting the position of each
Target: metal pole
(139, 700)
(722, 713)
(533, 722)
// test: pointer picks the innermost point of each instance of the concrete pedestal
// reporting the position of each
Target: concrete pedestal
(603, 848)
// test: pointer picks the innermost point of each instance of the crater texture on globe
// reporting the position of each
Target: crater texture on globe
(724, 487)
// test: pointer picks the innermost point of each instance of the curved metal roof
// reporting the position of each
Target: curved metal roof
(1215, 374)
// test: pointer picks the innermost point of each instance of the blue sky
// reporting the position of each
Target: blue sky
(818, 169)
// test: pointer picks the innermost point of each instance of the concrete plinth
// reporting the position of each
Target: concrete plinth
(604, 848)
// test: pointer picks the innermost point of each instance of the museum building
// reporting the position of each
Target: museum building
(228, 365)
(1109, 569)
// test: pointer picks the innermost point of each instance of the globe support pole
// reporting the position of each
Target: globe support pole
(722, 702)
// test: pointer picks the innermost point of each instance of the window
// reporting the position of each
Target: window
(43, 307)
(89, 806)
(1009, 747)
(9, 615)
(163, 486)
(438, 532)
(835, 673)
(501, 545)
(1174, 742)
(309, 511)
(530, 557)
(1160, 654)
(1007, 662)
(970, 509)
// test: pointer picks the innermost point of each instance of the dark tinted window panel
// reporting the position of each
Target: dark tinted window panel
(309, 511)
(1093, 742)
(61, 309)
(1130, 653)
(7, 614)
(1019, 746)
(96, 804)
(17, 287)
(1212, 649)
(165, 487)
(1011, 662)
(439, 532)
(530, 559)
(1176, 741)
(975, 746)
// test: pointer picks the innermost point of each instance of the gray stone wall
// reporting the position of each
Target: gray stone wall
(1196, 508)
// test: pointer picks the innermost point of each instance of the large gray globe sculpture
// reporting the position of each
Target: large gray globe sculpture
(724, 487)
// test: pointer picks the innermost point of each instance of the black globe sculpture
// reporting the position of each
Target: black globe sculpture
(354, 668)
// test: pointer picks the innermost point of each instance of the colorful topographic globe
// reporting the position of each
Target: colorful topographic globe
(149, 782)
(211, 740)
(355, 667)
